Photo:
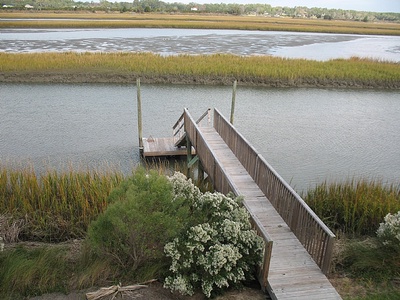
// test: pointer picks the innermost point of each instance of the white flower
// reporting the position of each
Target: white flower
(389, 230)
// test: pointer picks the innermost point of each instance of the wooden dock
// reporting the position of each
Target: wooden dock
(156, 147)
(293, 274)
(298, 245)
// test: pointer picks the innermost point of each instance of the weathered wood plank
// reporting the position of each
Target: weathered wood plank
(153, 147)
(293, 273)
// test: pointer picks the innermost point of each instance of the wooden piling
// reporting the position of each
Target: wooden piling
(139, 108)
(233, 101)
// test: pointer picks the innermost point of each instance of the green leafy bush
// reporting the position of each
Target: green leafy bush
(141, 218)
(207, 238)
(219, 251)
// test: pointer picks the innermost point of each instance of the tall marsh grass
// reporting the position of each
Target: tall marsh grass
(55, 206)
(252, 70)
(355, 207)
(33, 272)
(112, 20)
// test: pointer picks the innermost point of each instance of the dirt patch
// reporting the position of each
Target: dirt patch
(155, 291)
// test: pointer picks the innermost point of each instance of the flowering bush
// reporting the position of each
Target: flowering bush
(184, 189)
(219, 249)
(389, 231)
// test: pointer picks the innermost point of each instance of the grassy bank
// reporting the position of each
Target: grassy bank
(128, 20)
(58, 206)
(354, 208)
(203, 69)
(365, 265)
(54, 206)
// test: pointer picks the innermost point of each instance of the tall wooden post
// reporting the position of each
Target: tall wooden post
(139, 108)
(233, 101)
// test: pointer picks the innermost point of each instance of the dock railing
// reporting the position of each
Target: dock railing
(214, 169)
(178, 130)
(315, 236)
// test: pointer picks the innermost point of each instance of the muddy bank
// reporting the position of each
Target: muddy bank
(119, 78)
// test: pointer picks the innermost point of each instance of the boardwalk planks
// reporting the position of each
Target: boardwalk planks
(293, 273)
(298, 245)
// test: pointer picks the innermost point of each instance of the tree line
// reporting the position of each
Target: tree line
(143, 6)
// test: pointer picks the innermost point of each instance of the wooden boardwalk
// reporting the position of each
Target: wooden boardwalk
(298, 246)
(293, 274)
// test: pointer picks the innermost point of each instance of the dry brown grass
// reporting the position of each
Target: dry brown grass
(128, 20)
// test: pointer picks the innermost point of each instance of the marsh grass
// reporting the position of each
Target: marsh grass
(112, 20)
(33, 272)
(55, 206)
(355, 207)
(253, 69)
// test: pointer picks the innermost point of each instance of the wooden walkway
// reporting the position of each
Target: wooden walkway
(293, 274)
(298, 246)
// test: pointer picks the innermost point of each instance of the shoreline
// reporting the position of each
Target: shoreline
(121, 78)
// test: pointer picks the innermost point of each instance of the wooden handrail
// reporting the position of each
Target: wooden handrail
(219, 176)
(206, 113)
(177, 129)
(315, 236)
(179, 120)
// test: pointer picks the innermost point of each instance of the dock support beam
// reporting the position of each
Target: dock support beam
(139, 108)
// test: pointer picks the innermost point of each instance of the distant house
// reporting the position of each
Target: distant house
(28, 6)
(193, 9)
(7, 6)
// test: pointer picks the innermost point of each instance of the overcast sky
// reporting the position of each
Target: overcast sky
(363, 5)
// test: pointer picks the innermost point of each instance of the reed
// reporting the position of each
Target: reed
(25, 273)
(113, 20)
(355, 207)
(55, 206)
(248, 70)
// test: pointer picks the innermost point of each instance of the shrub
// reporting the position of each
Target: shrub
(389, 231)
(141, 218)
(207, 238)
(221, 250)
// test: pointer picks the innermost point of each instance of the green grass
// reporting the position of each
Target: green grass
(50, 201)
(354, 207)
(55, 206)
(251, 70)
(33, 272)
(387, 295)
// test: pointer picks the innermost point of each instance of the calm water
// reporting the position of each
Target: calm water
(308, 135)
(196, 41)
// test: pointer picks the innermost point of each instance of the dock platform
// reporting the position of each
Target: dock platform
(155, 147)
